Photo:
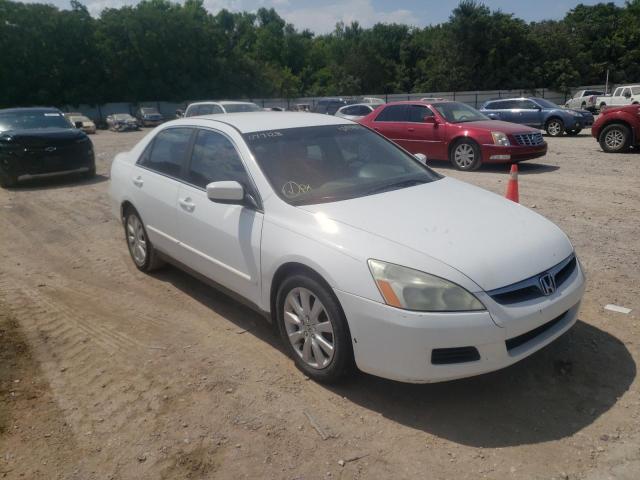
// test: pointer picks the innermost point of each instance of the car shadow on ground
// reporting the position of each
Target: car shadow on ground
(551, 395)
(63, 181)
(524, 168)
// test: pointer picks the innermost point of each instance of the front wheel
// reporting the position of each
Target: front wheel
(7, 180)
(555, 127)
(314, 329)
(615, 138)
(143, 254)
(465, 155)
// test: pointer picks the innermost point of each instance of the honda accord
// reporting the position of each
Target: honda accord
(361, 254)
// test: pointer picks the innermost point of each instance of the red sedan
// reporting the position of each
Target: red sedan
(456, 132)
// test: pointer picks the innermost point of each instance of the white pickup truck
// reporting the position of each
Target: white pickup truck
(623, 95)
(584, 100)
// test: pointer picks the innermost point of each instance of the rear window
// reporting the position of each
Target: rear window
(241, 107)
(167, 152)
(393, 113)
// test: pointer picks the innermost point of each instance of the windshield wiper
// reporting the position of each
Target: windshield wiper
(395, 185)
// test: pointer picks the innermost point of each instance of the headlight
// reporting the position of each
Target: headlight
(500, 138)
(411, 289)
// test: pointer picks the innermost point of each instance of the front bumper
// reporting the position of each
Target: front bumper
(513, 153)
(37, 164)
(399, 344)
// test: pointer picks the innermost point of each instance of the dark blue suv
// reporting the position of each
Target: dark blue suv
(538, 113)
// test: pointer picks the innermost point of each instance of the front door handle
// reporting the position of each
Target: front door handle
(187, 204)
(138, 182)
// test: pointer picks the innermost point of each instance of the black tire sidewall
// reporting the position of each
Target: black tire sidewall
(342, 362)
(477, 161)
(625, 131)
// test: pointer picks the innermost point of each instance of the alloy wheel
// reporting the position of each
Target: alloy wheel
(136, 240)
(614, 139)
(309, 328)
(555, 128)
(464, 155)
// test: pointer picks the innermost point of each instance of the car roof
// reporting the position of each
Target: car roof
(29, 109)
(247, 122)
(221, 102)
(372, 105)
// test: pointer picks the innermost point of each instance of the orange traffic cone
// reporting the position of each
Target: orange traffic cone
(512, 185)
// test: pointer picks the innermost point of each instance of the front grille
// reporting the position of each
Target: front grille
(447, 356)
(515, 342)
(529, 139)
(530, 288)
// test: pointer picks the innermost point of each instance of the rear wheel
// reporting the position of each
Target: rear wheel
(602, 106)
(7, 180)
(314, 329)
(615, 138)
(555, 127)
(143, 254)
(465, 155)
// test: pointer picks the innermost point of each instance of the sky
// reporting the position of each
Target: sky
(320, 16)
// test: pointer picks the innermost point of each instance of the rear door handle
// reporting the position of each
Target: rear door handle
(138, 182)
(187, 204)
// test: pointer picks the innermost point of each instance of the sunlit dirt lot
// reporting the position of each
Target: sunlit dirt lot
(107, 373)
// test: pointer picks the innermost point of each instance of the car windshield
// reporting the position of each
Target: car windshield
(310, 165)
(149, 111)
(241, 107)
(456, 112)
(544, 103)
(122, 116)
(28, 120)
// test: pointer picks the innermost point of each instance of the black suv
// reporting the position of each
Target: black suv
(40, 142)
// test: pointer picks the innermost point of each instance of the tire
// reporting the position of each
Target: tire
(7, 180)
(574, 132)
(91, 172)
(134, 233)
(615, 138)
(322, 353)
(465, 155)
(584, 105)
(602, 107)
(554, 127)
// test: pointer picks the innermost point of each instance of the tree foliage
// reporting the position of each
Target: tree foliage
(159, 50)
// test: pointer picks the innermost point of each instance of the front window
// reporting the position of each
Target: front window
(455, 112)
(322, 164)
(29, 120)
(241, 107)
(122, 117)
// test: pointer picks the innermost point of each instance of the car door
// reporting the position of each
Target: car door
(616, 97)
(529, 113)
(390, 122)
(421, 136)
(156, 180)
(220, 241)
(499, 110)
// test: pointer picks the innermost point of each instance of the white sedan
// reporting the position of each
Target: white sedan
(360, 253)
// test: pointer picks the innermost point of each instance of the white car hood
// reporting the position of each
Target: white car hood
(493, 241)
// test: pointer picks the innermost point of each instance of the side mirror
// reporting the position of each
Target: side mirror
(422, 158)
(226, 192)
(430, 119)
(78, 124)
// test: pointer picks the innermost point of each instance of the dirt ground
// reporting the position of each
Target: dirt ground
(107, 373)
